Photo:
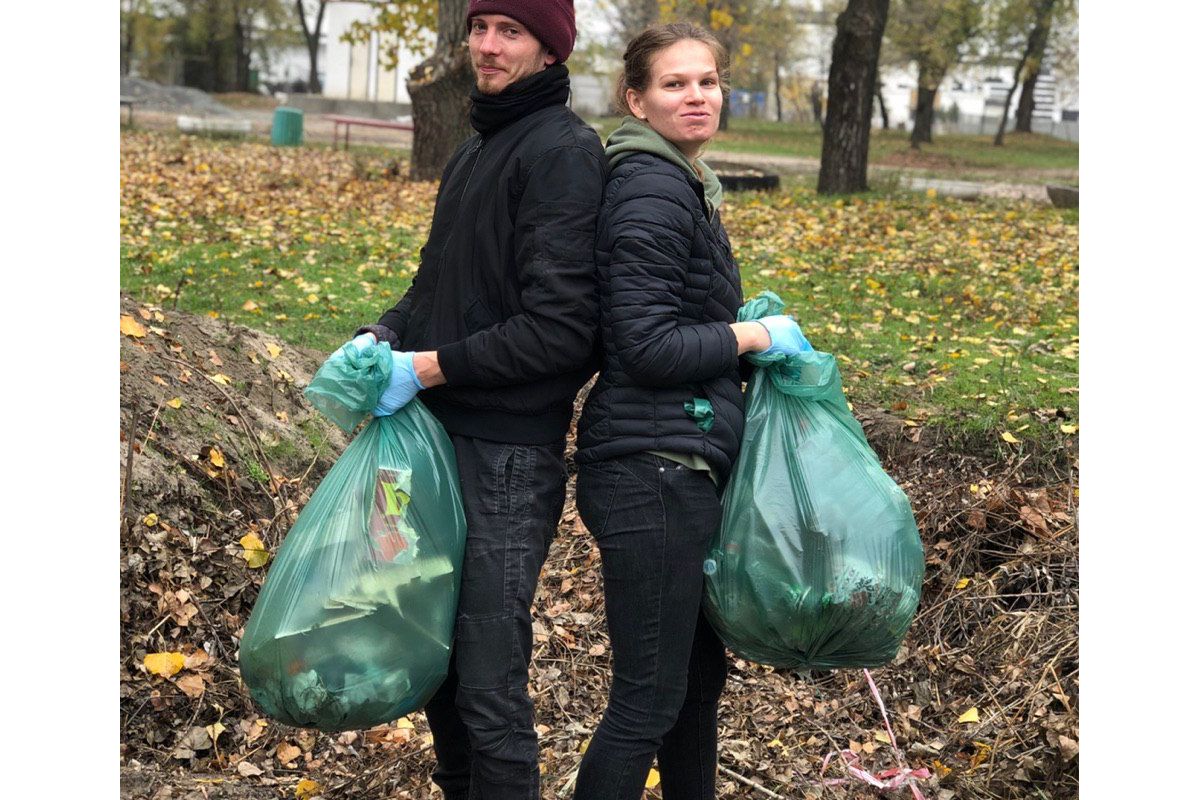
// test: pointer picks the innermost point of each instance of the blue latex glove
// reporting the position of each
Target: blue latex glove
(786, 336)
(402, 388)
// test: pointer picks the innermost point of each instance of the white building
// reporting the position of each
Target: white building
(359, 71)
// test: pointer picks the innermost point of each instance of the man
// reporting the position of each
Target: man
(497, 333)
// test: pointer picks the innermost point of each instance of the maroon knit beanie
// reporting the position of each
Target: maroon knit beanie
(551, 21)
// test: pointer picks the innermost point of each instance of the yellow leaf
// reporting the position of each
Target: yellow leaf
(175, 402)
(215, 456)
(214, 314)
(583, 747)
(281, 416)
(652, 779)
(970, 715)
(214, 730)
(942, 769)
(221, 379)
(274, 350)
(163, 664)
(255, 551)
(774, 743)
(404, 722)
(249, 305)
(882, 737)
(1008, 437)
(150, 520)
(962, 583)
(1065, 428)
(931, 192)
(306, 789)
(131, 327)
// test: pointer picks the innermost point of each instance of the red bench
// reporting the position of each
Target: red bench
(339, 120)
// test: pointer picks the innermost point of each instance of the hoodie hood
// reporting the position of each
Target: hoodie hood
(635, 136)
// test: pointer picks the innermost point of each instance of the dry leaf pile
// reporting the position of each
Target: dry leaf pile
(219, 451)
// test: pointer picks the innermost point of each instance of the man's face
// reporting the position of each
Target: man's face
(503, 51)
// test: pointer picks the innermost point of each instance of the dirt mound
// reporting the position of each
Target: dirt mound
(157, 97)
(222, 445)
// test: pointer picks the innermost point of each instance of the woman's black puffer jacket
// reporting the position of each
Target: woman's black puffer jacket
(669, 289)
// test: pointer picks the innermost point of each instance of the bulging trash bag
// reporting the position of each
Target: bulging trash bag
(354, 623)
(818, 563)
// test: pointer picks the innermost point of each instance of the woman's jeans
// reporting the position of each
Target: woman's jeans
(654, 520)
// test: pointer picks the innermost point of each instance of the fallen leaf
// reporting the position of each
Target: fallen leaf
(1008, 437)
(249, 305)
(248, 770)
(306, 789)
(882, 737)
(962, 584)
(215, 456)
(144, 313)
(163, 664)
(192, 685)
(150, 520)
(1068, 429)
(214, 730)
(970, 715)
(274, 350)
(224, 380)
(281, 416)
(287, 752)
(131, 327)
(404, 722)
(175, 402)
(255, 552)
(1068, 747)
(195, 659)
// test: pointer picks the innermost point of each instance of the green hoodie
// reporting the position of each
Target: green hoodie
(635, 136)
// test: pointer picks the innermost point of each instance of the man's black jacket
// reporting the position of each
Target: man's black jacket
(506, 288)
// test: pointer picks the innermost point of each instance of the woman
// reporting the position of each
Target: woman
(662, 426)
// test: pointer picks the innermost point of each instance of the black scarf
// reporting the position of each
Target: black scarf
(490, 112)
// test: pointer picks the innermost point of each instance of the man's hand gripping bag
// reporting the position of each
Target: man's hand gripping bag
(354, 624)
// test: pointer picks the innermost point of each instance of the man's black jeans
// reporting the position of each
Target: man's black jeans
(482, 716)
(654, 520)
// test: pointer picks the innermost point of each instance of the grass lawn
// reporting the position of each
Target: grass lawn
(1023, 155)
(963, 314)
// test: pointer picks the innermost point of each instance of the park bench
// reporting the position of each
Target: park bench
(339, 120)
(128, 102)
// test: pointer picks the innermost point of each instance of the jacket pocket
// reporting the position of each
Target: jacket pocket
(478, 317)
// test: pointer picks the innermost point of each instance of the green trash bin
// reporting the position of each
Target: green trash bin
(287, 127)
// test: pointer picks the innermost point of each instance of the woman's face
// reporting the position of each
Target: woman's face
(682, 100)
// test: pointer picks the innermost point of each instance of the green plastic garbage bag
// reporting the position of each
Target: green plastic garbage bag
(818, 563)
(354, 623)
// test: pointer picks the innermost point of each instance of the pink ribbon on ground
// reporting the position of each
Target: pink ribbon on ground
(889, 778)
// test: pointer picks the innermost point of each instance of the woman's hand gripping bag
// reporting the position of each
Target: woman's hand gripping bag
(354, 623)
(818, 563)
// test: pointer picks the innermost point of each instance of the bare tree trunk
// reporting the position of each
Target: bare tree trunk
(882, 105)
(928, 81)
(778, 90)
(440, 88)
(1034, 46)
(1025, 105)
(852, 73)
(313, 40)
(814, 99)
(127, 40)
